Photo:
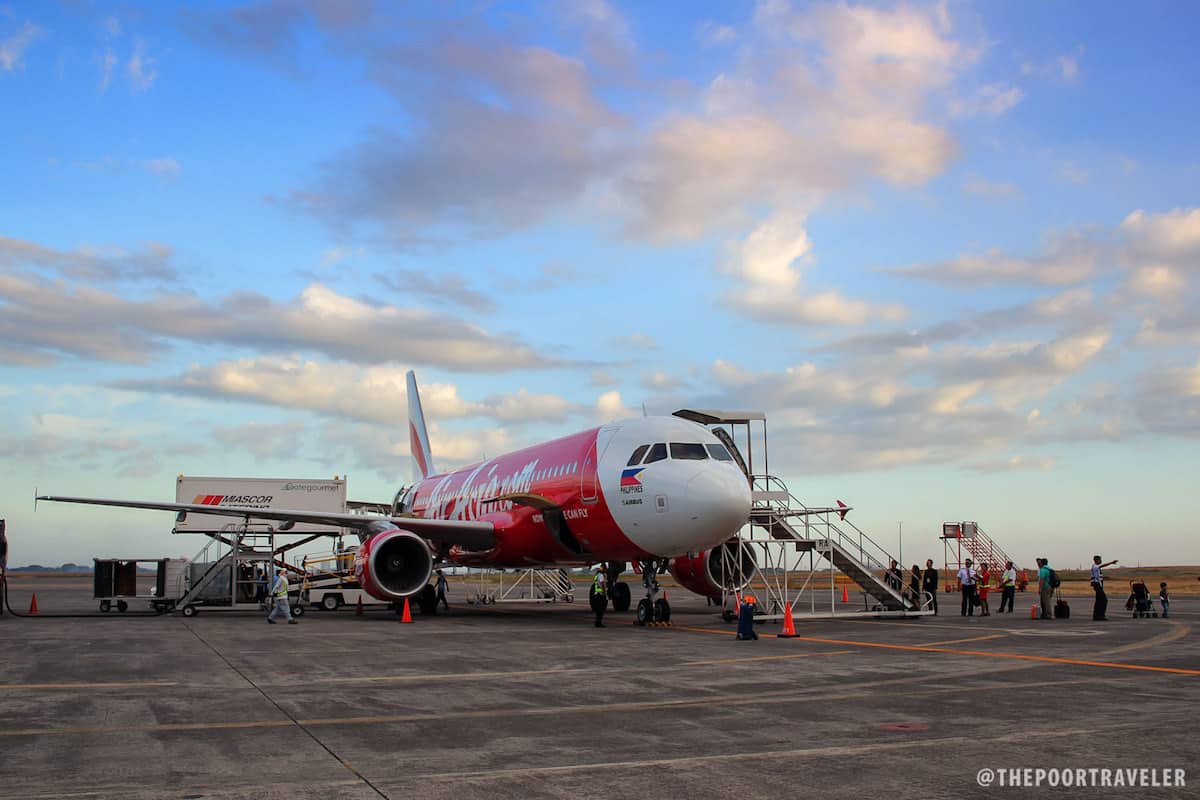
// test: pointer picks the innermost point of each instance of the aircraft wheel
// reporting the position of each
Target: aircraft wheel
(427, 600)
(644, 612)
(620, 596)
(189, 611)
(662, 611)
(330, 602)
(105, 606)
(122, 606)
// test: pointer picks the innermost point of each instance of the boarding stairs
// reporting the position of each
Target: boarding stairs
(982, 548)
(829, 535)
(241, 548)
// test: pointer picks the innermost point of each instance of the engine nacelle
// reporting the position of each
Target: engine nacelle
(393, 564)
(727, 567)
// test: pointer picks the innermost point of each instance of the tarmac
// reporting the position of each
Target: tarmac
(533, 701)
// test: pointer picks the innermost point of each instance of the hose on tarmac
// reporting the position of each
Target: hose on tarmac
(95, 615)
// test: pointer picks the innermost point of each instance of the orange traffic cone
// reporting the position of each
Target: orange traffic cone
(358, 608)
(33, 604)
(845, 594)
(407, 615)
(789, 627)
(1033, 612)
(664, 594)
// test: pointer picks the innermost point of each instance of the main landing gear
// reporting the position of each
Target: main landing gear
(618, 591)
(652, 608)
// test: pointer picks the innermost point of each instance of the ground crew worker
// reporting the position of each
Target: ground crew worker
(441, 591)
(279, 591)
(599, 596)
(1008, 584)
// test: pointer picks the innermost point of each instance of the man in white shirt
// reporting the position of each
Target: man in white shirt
(966, 584)
(1008, 585)
(1100, 609)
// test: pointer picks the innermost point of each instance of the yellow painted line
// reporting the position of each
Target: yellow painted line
(459, 676)
(960, 641)
(951, 651)
(1015, 656)
(128, 685)
(765, 658)
(790, 695)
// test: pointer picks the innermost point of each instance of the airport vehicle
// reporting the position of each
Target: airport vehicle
(661, 492)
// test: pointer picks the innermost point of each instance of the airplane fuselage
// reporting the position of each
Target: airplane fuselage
(652, 487)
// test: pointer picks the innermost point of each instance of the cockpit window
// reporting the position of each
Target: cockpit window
(688, 452)
(657, 453)
(636, 458)
(719, 452)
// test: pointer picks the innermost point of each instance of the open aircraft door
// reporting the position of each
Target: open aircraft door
(589, 477)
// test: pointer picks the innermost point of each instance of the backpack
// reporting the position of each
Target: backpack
(1053, 579)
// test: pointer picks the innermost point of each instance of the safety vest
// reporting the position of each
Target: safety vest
(281, 587)
(598, 584)
(1010, 577)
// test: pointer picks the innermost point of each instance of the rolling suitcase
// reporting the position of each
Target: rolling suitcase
(1062, 609)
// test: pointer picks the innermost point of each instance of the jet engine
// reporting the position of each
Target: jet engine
(727, 567)
(392, 564)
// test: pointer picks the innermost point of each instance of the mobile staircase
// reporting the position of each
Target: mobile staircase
(827, 533)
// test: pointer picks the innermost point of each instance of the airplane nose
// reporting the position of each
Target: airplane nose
(718, 502)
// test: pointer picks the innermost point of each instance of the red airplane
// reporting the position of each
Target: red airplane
(661, 492)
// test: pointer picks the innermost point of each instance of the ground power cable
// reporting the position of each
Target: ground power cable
(93, 615)
(288, 714)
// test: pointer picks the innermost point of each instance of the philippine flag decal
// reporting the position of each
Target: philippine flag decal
(629, 477)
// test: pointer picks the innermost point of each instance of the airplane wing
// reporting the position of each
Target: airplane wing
(471, 535)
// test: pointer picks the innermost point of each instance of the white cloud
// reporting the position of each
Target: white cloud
(108, 62)
(141, 68)
(163, 167)
(13, 47)
(610, 407)
(768, 263)
(990, 100)
(349, 392)
(986, 188)
(712, 33)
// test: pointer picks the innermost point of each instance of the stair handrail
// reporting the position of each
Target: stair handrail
(872, 555)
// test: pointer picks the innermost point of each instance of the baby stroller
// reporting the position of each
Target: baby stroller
(1140, 602)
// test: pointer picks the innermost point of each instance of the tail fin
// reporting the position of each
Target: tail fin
(418, 437)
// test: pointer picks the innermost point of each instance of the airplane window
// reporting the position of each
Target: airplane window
(636, 458)
(688, 452)
(719, 452)
(657, 453)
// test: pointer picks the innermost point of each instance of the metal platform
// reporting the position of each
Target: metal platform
(801, 551)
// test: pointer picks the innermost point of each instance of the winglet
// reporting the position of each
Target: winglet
(843, 509)
(418, 437)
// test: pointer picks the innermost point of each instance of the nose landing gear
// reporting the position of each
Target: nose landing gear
(652, 608)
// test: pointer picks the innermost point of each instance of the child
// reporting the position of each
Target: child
(1163, 598)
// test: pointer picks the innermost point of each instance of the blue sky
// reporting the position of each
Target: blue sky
(951, 249)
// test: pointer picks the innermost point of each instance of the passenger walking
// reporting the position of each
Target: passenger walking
(260, 584)
(279, 590)
(1008, 584)
(1046, 588)
(929, 582)
(1100, 609)
(894, 578)
(914, 587)
(441, 591)
(966, 585)
(1164, 598)
(599, 596)
(985, 577)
